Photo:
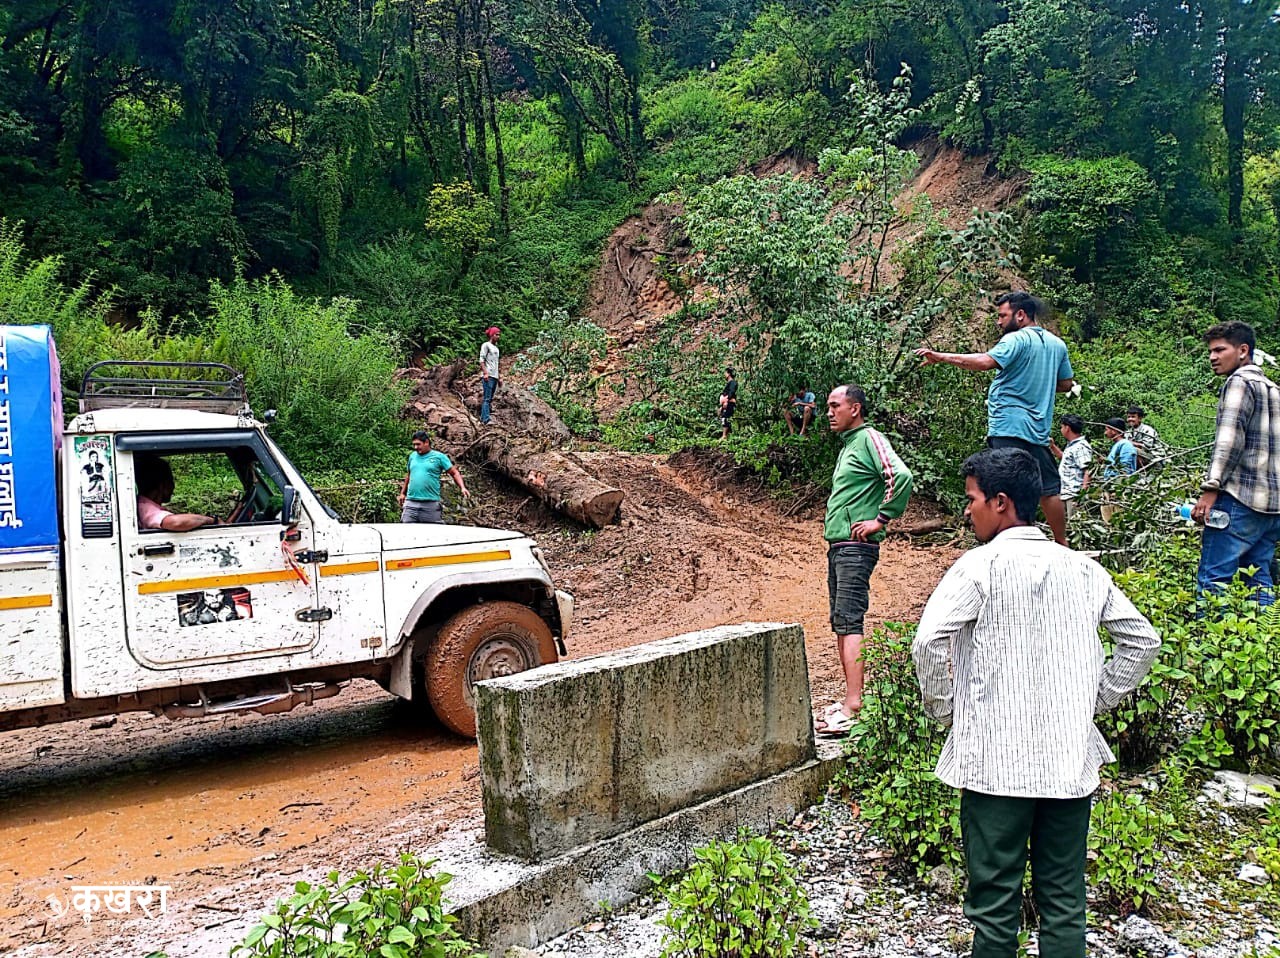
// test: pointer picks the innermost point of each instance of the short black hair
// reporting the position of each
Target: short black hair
(1025, 302)
(1115, 422)
(1074, 423)
(1135, 411)
(150, 472)
(422, 436)
(729, 370)
(1011, 471)
(855, 393)
(1234, 332)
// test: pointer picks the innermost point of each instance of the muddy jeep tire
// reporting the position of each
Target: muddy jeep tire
(481, 642)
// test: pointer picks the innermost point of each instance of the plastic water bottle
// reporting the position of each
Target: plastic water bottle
(1217, 519)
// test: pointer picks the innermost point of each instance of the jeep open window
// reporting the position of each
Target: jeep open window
(231, 475)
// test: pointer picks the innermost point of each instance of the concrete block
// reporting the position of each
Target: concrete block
(502, 902)
(585, 749)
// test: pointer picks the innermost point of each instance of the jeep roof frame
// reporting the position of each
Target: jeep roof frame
(207, 387)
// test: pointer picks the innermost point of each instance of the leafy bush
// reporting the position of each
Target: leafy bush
(1127, 839)
(739, 899)
(1216, 663)
(1087, 207)
(335, 392)
(892, 751)
(1173, 383)
(334, 389)
(1236, 690)
(1143, 725)
(396, 911)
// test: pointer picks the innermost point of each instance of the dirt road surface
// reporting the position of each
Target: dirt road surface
(229, 812)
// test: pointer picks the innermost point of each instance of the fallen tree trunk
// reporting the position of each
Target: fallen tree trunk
(923, 527)
(556, 477)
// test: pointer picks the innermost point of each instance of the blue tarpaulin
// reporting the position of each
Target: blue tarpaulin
(30, 430)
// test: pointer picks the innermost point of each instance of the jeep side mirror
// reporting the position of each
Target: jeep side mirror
(290, 507)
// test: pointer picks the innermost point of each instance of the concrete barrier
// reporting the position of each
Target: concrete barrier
(585, 749)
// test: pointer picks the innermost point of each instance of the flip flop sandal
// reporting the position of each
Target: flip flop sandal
(837, 725)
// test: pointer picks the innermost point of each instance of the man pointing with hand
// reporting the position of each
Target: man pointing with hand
(1031, 368)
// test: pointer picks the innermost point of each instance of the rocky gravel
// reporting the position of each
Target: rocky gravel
(865, 905)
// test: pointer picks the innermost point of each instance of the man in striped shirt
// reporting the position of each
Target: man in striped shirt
(1244, 469)
(869, 489)
(1007, 654)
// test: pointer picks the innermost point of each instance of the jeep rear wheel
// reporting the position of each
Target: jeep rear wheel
(481, 642)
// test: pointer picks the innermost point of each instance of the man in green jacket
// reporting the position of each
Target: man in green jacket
(870, 488)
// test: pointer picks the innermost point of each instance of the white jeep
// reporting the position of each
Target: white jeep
(277, 605)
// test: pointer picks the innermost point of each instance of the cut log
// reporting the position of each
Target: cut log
(555, 477)
(524, 452)
(923, 527)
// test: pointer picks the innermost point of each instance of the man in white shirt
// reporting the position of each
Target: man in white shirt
(1075, 458)
(1007, 654)
(490, 374)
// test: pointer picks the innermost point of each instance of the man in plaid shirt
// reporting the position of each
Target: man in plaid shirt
(1244, 471)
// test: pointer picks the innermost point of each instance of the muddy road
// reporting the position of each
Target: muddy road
(228, 812)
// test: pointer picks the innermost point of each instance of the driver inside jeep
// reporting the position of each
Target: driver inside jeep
(155, 488)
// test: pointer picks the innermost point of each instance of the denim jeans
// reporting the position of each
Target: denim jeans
(489, 386)
(1248, 540)
(849, 568)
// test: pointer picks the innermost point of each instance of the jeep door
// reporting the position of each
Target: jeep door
(223, 593)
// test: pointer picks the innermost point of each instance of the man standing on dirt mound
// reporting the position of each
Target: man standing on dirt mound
(869, 488)
(1032, 367)
(490, 375)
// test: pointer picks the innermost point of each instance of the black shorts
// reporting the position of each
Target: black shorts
(849, 569)
(726, 415)
(1050, 483)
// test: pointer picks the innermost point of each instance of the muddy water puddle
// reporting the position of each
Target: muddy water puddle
(146, 801)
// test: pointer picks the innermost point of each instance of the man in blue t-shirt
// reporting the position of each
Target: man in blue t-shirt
(420, 491)
(799, 410)
(1032, 367)
(1122, 460)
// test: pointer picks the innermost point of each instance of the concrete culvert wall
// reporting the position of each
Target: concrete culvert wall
(582, 750)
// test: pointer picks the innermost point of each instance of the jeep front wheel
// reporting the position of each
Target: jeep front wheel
(481, 642)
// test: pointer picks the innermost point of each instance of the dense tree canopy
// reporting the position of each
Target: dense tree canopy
(449, 163)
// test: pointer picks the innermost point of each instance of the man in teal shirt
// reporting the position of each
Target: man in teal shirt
(420, 491)
(1122, 460)
(870, 488)
(1032, 367)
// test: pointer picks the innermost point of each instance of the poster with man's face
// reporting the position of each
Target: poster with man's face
(214, 605)
(95, 479)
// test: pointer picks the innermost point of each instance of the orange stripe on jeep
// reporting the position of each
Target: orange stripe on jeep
(498, 555)
(26, 602)
(202, 583)
(350, 568)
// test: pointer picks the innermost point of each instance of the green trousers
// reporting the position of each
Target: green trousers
(997, 833)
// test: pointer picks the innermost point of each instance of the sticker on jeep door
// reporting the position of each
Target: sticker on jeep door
(95, 479)
(214, 605)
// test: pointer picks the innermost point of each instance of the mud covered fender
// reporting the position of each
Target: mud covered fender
(401, 680)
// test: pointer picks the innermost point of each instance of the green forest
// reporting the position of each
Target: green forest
(280, 182)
